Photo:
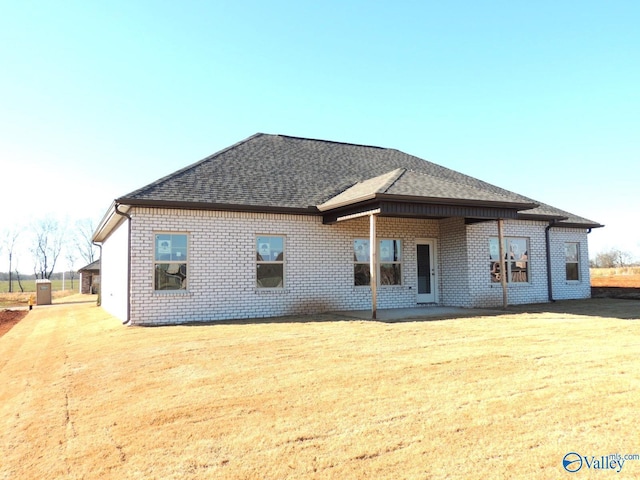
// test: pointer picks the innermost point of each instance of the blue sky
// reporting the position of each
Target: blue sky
(542, 98)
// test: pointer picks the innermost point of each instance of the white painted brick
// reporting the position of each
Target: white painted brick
(318, 265)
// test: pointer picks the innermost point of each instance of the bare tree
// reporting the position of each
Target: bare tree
(9, 242)
(48, 242)
(613, 258)
(84, 232)
(71, 260)
(19, 281)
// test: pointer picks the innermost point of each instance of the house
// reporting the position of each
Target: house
(277, 225)
(90, 277)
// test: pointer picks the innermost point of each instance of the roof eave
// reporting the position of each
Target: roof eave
(325, 207)
(109, 222)
(181, 205)
(457, 201)
(579, 225)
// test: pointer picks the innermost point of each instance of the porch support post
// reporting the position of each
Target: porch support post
(503, 264)
(373, 265)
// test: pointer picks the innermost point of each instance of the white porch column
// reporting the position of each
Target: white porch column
(373, 265)
(503, 264)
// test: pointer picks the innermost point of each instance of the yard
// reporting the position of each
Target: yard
(503, 396)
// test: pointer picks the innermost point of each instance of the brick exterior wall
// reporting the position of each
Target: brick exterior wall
(454, 261)
(221, 269)
(318, 265)
(563, 289)
(484, 293)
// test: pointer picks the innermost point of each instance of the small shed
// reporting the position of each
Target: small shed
(90, 278)
(43, 292)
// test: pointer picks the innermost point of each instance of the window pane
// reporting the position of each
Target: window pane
(163, 247)
(390, 274)
(571, 252)
(494, 249)
(390, 250)
(361, 274)
(171, 247)
(270, 275)
(171, 276)
(519, 274)
(517, 248)
(361, 251)
(572, 271)
(270, 249)
(495, 271)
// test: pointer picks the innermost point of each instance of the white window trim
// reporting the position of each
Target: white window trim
(282, 262)
(380, 262)
(577, 262)
(508, 262)
(179, 291)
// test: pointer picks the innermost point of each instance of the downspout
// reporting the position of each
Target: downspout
(548, 243)
(128, 263)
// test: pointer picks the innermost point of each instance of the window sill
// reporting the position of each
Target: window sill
(172, 293)
(270, 291)
(359, 287)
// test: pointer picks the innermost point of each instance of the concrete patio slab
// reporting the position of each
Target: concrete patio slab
(421, 312)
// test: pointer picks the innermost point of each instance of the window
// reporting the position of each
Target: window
(170, 261)
(517, 256)
(269, 262)
(572, 257)
(390, 262)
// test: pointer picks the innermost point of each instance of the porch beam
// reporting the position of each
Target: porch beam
(358, 215)
(373, 265)
(503, 264)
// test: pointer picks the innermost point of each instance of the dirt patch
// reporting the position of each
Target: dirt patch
(616, 292)
(625, 281)
(8, 318)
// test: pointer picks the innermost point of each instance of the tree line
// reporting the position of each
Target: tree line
(44, 244)
(614, 258)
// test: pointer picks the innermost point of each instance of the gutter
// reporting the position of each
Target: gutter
(552, 223)
(123, 214)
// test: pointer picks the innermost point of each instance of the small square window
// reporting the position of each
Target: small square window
(516, 251)
(390, 262)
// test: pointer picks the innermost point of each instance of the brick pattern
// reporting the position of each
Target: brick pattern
(563, 289)
(484, 293)
(221, 270)
(455, 264)
(318, 265)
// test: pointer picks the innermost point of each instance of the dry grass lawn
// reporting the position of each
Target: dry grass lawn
(505, 396)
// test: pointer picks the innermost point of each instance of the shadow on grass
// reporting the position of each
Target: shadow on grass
(596, 307)
(593, 307)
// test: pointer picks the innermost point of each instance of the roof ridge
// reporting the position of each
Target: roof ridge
(189, 167)
(399, 174)
(329, 141)
(474, 187)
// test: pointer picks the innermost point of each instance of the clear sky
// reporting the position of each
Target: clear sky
(542, 98)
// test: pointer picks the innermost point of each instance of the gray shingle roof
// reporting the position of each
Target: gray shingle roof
(93, 266)
(290, 173)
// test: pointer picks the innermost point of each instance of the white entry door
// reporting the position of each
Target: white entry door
(427, 279)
